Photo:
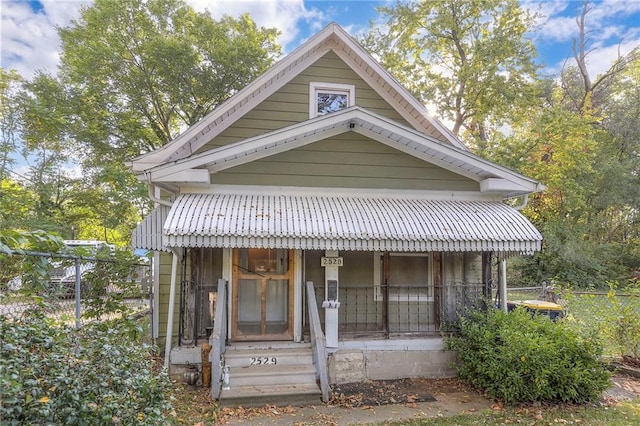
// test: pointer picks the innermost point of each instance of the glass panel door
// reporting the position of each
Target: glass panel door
(263, 295)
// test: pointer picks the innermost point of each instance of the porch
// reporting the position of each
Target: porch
(385, 332)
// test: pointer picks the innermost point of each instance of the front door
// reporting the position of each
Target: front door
(262, 306)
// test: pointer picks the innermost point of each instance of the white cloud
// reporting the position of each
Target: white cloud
(285, 15)
(29, 39)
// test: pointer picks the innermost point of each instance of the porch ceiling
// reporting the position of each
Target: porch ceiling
(347, 223)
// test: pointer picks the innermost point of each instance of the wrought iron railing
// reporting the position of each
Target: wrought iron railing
(409, 309)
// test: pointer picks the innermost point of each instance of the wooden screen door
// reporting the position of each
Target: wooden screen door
(262, 307)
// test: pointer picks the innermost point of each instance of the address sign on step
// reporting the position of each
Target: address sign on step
(331, 261)
(263, 360)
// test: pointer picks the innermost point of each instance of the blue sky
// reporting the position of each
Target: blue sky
(30, 42)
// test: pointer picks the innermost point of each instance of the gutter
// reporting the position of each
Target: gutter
(152, 197)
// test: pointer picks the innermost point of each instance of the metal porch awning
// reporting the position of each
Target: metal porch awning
(148, 233)
(347, 223)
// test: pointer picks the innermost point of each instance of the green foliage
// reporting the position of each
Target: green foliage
(31, 270)
(10, 82)
(101, 374)
(109, 282)
(17, 204)
(471, 59)
(517, 357)
(141, 71)
(623, 327)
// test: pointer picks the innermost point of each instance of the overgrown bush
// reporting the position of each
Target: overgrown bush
(517, 357)
(100, 374)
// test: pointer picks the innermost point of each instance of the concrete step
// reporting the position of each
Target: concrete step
(270, 373)
(275, 375)
(268, 357)
(258, 396)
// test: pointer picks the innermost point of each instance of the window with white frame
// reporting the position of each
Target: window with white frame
(409, 277)
(325, 98)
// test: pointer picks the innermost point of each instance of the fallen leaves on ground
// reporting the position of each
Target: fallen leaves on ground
(242, 413)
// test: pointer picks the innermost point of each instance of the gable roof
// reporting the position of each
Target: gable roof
(492, 177)
(331, 38)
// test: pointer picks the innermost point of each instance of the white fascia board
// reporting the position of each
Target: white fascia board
(185, 176)
(351, 119)
(499, 185)
(137, 167)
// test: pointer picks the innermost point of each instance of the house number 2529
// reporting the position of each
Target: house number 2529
(263, 360)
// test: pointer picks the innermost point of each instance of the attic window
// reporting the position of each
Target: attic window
(330, 97)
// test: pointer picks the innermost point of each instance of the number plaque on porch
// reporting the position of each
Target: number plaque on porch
(331, 261)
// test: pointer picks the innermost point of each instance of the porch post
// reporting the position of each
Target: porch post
(503, 284)
(330, 303)
(172, 301)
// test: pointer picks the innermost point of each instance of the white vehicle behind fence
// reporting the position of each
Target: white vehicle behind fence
(63, 273)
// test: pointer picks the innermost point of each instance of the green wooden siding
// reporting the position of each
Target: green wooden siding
(290, 104)
(348, 160)
(163, 308)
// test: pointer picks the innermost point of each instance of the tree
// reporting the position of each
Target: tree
(142, 71)
(471, 59)
(582, 142)
(133, 75)
(17, 205)
(10, 83)
(44, 118)
(580, 89)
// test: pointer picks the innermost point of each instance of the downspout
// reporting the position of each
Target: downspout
(174, 273)
(152, 196)
(503, 284)
(522, 205)
(172, 301)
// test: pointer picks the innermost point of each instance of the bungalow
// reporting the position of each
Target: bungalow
(320, 227)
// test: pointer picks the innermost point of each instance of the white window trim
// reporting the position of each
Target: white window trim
(406, 297)
(315, 87)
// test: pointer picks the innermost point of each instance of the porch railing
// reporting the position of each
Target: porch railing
(317, 342)
(404, 309)
(218, 339)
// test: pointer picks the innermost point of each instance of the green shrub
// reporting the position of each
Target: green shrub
(101, 374)
(517, 357)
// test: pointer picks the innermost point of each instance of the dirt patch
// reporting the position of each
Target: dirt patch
(381, 392)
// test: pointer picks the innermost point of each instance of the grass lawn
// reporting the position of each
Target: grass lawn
(623, 413)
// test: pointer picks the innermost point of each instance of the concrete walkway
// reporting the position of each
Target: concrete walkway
(446, 404)
(449, 402)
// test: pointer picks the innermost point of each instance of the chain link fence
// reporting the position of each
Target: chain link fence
(613, 316)
(74, 289)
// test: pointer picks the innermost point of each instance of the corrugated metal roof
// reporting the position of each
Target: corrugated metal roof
(347, 223)
(148, 233)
